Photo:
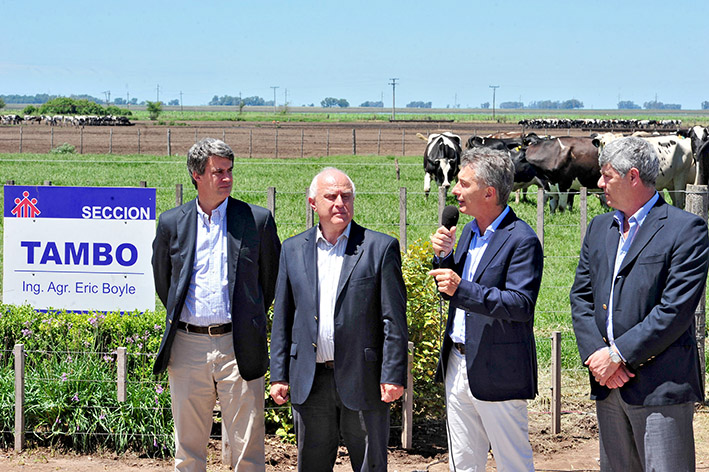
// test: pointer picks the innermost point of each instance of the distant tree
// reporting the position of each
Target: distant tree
(571, 104)
(655, 105)
(132, 101)
(29, 110)
(119, 101)
(511, 105)
(705, 105)
(342, 103)
(154, 109)
(71, 106)
(329, 102)
(2, 103)
(418, 104)
(368, 103)
(628, 105)
(544, 105)
(116, 111)
(174, 103)
(485, 105)
(33, 99)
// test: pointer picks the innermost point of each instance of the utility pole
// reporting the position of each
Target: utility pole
(128, 99)
(158, 89)
(180, 100)
(274, 98)
(286, 100)
(393, 97)
(108, 96)
(494, 89)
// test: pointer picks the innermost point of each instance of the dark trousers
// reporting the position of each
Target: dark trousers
(321, 420)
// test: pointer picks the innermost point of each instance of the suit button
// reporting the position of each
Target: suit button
(316, 318)
(605, 307)
(315, 345)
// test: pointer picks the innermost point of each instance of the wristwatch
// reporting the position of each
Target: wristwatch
(615, 357)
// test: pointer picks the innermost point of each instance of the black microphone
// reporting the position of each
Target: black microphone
(449, 218)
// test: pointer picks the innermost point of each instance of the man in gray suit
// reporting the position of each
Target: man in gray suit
(339, 338)
(214, 262)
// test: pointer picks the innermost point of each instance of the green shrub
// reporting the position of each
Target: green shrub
(29, 110)
(64, 148)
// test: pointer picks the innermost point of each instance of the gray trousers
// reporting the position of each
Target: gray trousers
(638, 438)
(321, 420)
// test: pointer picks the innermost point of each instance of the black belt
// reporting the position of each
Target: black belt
(329, 365)
(460, 347)
(212, 330)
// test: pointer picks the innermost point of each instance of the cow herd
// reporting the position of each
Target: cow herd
(66, 120)
(591, 123)
(562, 164)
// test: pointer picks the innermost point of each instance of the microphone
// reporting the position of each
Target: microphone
(449, 218)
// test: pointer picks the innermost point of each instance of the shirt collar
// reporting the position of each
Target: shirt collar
(493, 226)
(640, 215)
(218, 213)
(345, 234)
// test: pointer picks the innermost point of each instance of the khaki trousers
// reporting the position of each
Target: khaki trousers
(202, 369)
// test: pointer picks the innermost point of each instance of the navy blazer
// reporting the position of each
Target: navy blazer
(656, 292)
(371, 336)
(252, 258)
(500, 352)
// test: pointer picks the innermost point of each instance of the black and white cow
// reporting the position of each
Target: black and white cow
(441, 159)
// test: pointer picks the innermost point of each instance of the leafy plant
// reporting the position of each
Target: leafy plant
(154, 109)
(64, 148)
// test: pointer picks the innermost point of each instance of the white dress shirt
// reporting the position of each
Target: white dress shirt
(207, 302)
(478, 244)
(330, 258)
(634, 222)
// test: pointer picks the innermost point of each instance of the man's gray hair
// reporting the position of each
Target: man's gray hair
(625, 153)
(494, 168)
(199, 153)
(313, 189)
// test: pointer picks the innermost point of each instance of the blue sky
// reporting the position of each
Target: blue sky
(447, 53)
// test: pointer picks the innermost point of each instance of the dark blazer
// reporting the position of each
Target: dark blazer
(370, 318)
(500, 351)
(253, 250)
(657, 290)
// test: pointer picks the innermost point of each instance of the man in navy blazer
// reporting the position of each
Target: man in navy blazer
(339, 337)
(215, 261)
(488, 358)
(641, 273)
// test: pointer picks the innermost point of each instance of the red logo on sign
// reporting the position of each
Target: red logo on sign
(25, 208)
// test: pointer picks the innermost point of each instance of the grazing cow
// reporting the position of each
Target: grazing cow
(700, 137)
(569, 162)
(677, 163)
(441, 159)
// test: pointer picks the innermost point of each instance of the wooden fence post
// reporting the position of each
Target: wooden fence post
(271, 199)
(138, 140)
(81, 140)
(110, 142)
(407, 407)
(309, 216)
(327, 146)
(697, 203)
(143, 184)
(251, 142)
(20, 139)
(276, 145)
(169, 146)
(583, 217)
(442, 193)
(540, 216)
(51, 139)
(556, 382)
(122, 368)
(178, 195)
(195, 135)
(19, 353)
(354, 142)
(402, 219)
(398, 169)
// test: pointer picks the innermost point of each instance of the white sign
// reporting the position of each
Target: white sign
(79, 248)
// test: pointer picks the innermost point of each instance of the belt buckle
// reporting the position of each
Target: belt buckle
(209, 330)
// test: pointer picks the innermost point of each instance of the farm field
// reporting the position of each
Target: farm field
(374, 171)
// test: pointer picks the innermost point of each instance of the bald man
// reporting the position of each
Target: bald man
(339, 336)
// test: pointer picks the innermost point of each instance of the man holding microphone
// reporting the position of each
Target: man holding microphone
(488, 359)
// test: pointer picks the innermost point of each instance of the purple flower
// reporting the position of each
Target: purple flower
(107, 358)
(157, 327)
(68, 358)
(158, 389)
(155, 442)
(92, 321)
(75, 398)
(26, 332)
(102, 417)
(63, 376)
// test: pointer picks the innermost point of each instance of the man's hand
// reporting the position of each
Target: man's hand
(391, 392)
(443, 241)
(603, 369)
(447, 280)
(279, 392)
(620, 378)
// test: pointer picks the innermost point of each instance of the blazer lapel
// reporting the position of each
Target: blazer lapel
(654, 221)
(353, 253)
(235, 231)
(310, 263)
(501, 234)
(612, 241)
(187, 239)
